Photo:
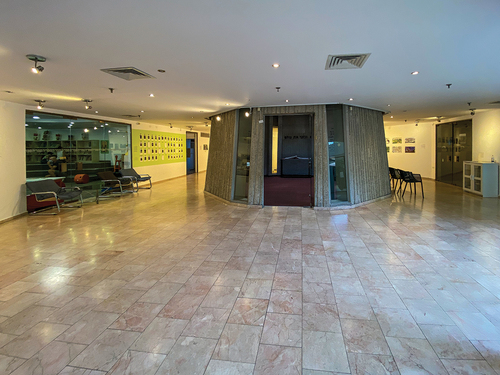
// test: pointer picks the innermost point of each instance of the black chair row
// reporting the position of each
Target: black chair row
(408, 178)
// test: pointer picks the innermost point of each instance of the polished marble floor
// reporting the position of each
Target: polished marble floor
(170, 281)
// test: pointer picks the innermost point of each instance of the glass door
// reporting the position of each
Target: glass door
(462, 134)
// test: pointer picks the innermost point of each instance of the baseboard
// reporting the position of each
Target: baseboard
(13, 217)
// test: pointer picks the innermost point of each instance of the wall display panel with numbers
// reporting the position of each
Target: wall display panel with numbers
(153, 147)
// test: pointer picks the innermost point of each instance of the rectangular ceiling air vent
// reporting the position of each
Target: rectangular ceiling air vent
(497, 102)
(353, 61)
(130, 116)
(128, 73)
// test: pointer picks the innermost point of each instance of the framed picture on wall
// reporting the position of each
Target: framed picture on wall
(388, 148)
(397, 149)
(105, 147)
(409, 149)
(397, 140)
(410, 140)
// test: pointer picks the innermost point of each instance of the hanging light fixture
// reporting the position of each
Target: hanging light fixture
(37, 59)
(40, 104)
(87, 105)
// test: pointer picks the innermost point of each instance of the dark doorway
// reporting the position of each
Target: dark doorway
(288, 170)
(453, 147)
(191, 159)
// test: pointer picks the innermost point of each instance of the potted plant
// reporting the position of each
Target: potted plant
(35, 137)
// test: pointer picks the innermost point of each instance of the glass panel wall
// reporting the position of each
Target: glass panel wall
(75, 145)
(244, 135)
(336, 153)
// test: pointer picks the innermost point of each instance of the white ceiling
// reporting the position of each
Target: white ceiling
(218, 52)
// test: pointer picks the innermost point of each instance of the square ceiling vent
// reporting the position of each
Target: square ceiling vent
(352, 61)
(128, 73)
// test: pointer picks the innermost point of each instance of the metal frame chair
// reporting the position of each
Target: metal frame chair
(136, 177)
(47, 190)
(396, 175)
(411, 178)
(112, 185)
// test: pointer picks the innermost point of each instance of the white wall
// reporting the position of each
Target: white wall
(423, 160)
(202, 154)
(12, 160)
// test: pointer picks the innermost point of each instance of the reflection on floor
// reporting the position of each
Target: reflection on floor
(170, 281)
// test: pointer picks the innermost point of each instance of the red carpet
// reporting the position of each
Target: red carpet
(288, 191)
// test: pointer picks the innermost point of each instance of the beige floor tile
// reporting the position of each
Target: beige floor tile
(318, 293)
(216, 367)
(490, 350)
(181, 306)
(73, 311)
(137, 317)
(51, 359)
(354, 307)
(198, 285)
(119, 301)
(318, 317)
(6, 338)
(256, 289)
(19, 303)
(222, 297)
(207, 322)
(282, 330)
(15, 289)
(26, 319)
(324, 351)
(88, 328)
(465, 367)
(372, 364)
(160, 336)
(285, 302)
(68, 370)
(137, 363)
(415, 355)
(238, 343)
(33, 340)
(103, 353)
(273, 359)
(189, 356)
(160, 293)
(398, 323)
(364, 336)
(9, 364)
(449, 342)
(249, 311)
(104, 289)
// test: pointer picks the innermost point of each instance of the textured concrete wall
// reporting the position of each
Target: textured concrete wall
(367, 165)
(321, 180)
(219, 179)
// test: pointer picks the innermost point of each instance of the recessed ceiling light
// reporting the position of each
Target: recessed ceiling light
(151, 95)
(392, 116)
(218, 118)
(26, 125)
(96, 111)
(142, 111)
(276, 65)
(36, 117)
(388, 105)
(247, 114)
(95, 127)
(414, 73)
(39, 127)
(106, 124)
(351, 99)
(227, 103)
(102, 126)
(286, 100)
(109, 131)
(86, 130)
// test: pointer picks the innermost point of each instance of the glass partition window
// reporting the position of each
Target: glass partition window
(243, 156)
(76, 145)
(336, 153)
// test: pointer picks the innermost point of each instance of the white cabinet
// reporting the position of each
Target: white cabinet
(481, 178)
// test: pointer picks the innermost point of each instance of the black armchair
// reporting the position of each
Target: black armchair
(410, 178)
(136, 177)
(395, 177)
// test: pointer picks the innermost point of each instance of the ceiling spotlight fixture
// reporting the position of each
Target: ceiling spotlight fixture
(448, 85)
(87, 105)
(9, 92)
(227, 103)
(36, 118)
(247, 114)
(206, 123)
(40, 104)
(142, 111)
(161, 70)
(392, 116)
(95, 127)
(86, 130)
(218, 118)
(109, 131)
(151, 95)
(439, 118)
(276, 65)
(388, 105)
(170, 125)
(96, 111)
(106, 124)
(286, 101)
(416, 122)
(473, 111)
(278, 89)
(414, 73)
(37, 59)
(111, 90)
(351, 99)
(39, 128)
